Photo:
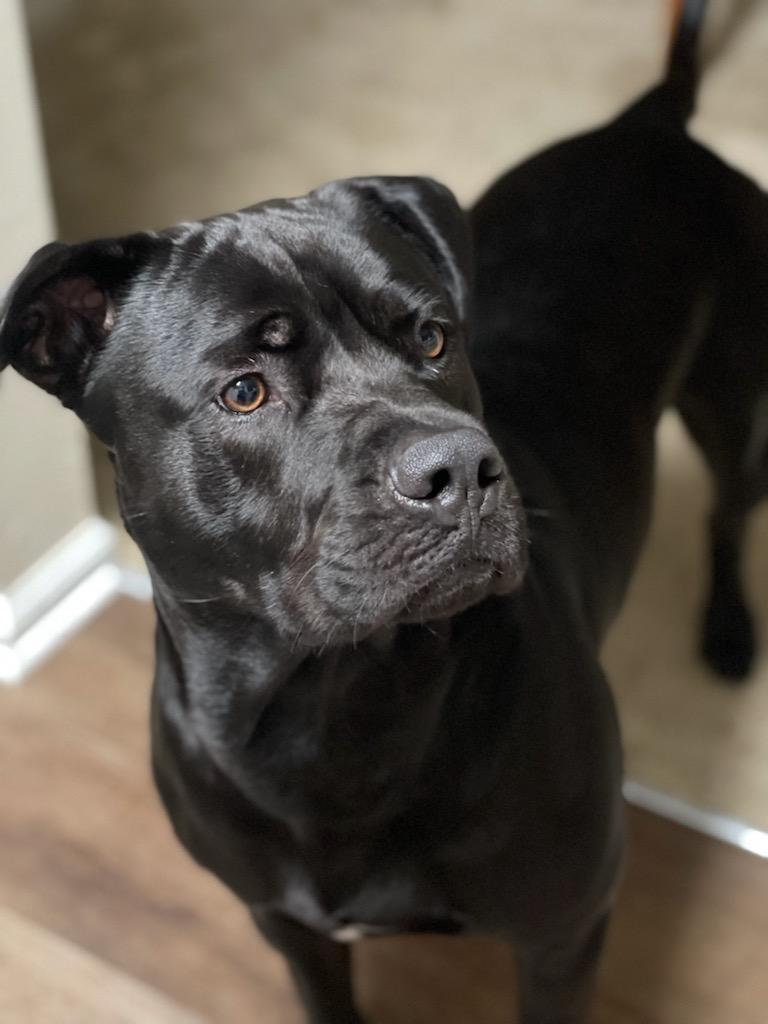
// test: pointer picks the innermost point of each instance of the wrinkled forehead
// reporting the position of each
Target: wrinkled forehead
(297, 257)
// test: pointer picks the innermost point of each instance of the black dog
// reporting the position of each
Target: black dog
(368, 716)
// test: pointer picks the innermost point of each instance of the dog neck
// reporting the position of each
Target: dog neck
(315, 739)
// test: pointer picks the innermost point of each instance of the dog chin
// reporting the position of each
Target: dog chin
(467, 585)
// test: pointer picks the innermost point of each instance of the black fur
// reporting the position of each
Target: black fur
(363, 715)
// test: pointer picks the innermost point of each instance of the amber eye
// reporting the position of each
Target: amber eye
(432, 338)
(245, 394)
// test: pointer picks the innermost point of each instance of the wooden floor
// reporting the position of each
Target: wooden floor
(104, 919)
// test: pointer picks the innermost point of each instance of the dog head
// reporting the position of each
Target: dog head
(287, 399)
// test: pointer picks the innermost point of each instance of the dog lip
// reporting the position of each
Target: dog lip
(491, 577)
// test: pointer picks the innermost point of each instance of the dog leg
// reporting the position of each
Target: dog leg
(728, 636)
(557, 981)
(321, 968)
(729, 438)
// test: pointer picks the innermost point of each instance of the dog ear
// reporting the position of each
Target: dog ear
(427, 214)
(62, 308)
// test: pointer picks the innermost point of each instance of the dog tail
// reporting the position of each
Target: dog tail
(683, 65)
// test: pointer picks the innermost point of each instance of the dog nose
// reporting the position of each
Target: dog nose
(449, 472)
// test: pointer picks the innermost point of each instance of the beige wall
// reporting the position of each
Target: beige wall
(45, 485)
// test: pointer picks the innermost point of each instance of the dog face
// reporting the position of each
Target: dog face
(287, 398)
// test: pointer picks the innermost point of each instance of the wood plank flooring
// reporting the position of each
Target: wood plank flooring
(105, 920)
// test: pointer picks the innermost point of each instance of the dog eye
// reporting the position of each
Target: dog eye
(432, 337)
(245, 394)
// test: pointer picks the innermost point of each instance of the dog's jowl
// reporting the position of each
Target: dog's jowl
(390, 496)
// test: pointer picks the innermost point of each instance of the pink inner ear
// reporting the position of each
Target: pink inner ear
(82, 295)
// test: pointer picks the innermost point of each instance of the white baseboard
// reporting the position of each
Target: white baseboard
(56, 596)
(717, 826)
(136, 584)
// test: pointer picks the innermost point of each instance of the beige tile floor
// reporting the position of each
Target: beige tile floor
(181, 108)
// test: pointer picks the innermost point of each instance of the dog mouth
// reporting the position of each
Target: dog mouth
(376, 574)
(479, 561)
(459, 587)
(457, 576)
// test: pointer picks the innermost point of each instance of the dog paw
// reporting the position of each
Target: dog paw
(728, 640)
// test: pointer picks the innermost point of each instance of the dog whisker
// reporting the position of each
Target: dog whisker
(311, 569)
(541, 513)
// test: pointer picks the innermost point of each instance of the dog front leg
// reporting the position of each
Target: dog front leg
(557, 980)
(321, 968)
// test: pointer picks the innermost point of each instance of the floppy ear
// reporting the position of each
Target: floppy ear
(62, 308)
(428, 214)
